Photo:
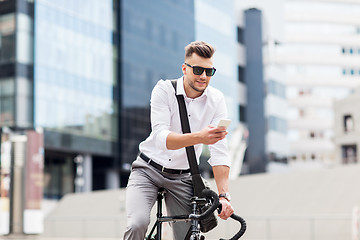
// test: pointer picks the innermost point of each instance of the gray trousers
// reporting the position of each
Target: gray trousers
(141, 195)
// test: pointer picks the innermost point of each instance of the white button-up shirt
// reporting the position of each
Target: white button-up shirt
(208, 109)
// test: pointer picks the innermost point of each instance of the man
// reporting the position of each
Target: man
(162, 162)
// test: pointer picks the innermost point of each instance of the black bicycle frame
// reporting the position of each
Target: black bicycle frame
(194, 229)
(194, 217)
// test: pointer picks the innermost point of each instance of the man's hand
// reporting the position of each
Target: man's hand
(227, 210)
(211, 135)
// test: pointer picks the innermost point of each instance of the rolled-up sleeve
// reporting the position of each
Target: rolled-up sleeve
(219, 151)
(160, 114)
(219, 154)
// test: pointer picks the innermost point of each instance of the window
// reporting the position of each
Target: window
(277, 124)
(242, 116)
(351, 71)
(276, 89)
(350, 50)
(240, 35)
(349, 154)
(241, 75)
(6, 110)
(348, 123)
(7, 87)
(303, 92)
(7, 38)
(273, 157)
(312, 135)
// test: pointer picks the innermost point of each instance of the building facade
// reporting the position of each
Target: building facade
(320, 55)
(313, 52)
(254, 80)
(16, 67)
(75, 74)
(346, 128)
(215, 23)
(83, 71)
(262, 82)
(220, 31)
(153, 37)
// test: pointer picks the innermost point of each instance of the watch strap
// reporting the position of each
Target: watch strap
(225, 195)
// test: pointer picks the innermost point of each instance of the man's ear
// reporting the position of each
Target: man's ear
(184, 69)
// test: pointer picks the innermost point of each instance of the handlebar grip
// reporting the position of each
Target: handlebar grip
(242, 228)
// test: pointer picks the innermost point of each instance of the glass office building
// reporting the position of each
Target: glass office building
(75, 75)
(153, 37)
(15, 64)
(215, 23)
(83, 71)
(74, 68)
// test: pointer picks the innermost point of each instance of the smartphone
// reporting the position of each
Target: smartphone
(224, 123)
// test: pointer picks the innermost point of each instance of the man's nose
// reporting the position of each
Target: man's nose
(203, 74)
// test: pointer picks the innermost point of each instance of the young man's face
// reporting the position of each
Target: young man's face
(194, 84)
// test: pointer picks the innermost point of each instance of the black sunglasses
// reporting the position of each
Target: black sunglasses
(199, 70)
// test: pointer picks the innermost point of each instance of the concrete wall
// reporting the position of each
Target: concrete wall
(313, 205)
(96, 214)
(302, 205)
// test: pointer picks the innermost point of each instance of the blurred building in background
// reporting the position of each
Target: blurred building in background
(311, 51)
(84, 71)
(74, 90)
(320, 54)
(220, 31)
(347, 130)
(255, 118)
(262, 84)
(153, 35)
(215, 23)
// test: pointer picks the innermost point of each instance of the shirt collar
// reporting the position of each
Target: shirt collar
(181, 91)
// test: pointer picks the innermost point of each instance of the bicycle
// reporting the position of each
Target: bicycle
(210, 200)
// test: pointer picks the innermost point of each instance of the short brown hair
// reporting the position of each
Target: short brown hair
(201, 48)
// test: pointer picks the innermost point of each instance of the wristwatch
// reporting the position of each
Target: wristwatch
(225, 195)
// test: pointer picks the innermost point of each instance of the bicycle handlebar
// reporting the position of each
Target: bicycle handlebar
(242, 228)
(209, 194)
